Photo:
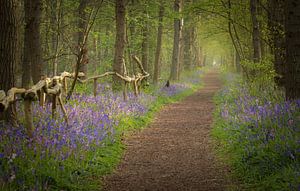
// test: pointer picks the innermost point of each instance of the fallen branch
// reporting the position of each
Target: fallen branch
(10, 98)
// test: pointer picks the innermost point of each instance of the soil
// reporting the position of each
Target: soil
(176, 151)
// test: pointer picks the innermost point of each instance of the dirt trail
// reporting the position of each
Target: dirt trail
(175, 152)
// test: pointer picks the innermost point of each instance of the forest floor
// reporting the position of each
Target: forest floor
(176, 151)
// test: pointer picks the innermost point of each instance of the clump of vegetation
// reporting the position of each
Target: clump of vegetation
(64, 156)
(259, 133)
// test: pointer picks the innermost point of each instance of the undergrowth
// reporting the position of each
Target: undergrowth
(258, 133)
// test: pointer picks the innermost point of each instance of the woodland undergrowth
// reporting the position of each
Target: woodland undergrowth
(258, 133)
(75, 156)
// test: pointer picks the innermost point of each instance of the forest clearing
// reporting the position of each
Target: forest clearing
(149, 95)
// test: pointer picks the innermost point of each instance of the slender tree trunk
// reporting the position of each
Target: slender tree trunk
(188, 38)
(176, 43)
(120, 41)
(56, 38)
(54, 42)
(36, 49)
(256, 30)
(97, 61)
(292, 82)
(204, 60)
(237, 62)
(82, 25)
(128, 51)
(189, 33)
(9, 39)
(132, 50)
(198, 56)
(47, 36)
(230, 28)
(181, 52)
(145, 47)
(158, 44)
(106, 51)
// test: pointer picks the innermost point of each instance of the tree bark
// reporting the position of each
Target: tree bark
(176, 43)
(9, 39)
(237, 60)
(292, 82)
(32, 60)
(189, 40)
(26, 64)
(276, 28)
(145, 46)
(188, 45)
(56, 20)
(82, 26)
(34, 37)
(120, 41)
(256, 30)
(158, 44)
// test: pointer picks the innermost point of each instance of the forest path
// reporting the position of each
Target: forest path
(176, 151)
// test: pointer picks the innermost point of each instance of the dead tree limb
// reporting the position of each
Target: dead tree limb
(5, 101)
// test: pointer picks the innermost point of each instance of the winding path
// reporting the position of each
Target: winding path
(175, 152)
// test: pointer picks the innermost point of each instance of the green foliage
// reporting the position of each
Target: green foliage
(260, 73)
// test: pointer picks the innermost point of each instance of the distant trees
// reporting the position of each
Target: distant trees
(53, 38)
(262, 35)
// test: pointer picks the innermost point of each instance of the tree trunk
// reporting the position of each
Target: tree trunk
(106, 49)
(181, 52)
(188, 39)
(158, 44)
(237, 61)
(9, 39)
(145, 47)
(256, 30)
(120, 41)
(82, 25)
(198, 56)
(188, 45)
(131, 39)
(276, 27)
(26, 64)
(176, 43)
(54, 40)
(56, 20)
(34, 37)
(32, 62)
(292, 82)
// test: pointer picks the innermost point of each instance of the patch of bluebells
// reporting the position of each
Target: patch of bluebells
(264, 132)
(34, 163)
(191, 79)
(172, 90)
